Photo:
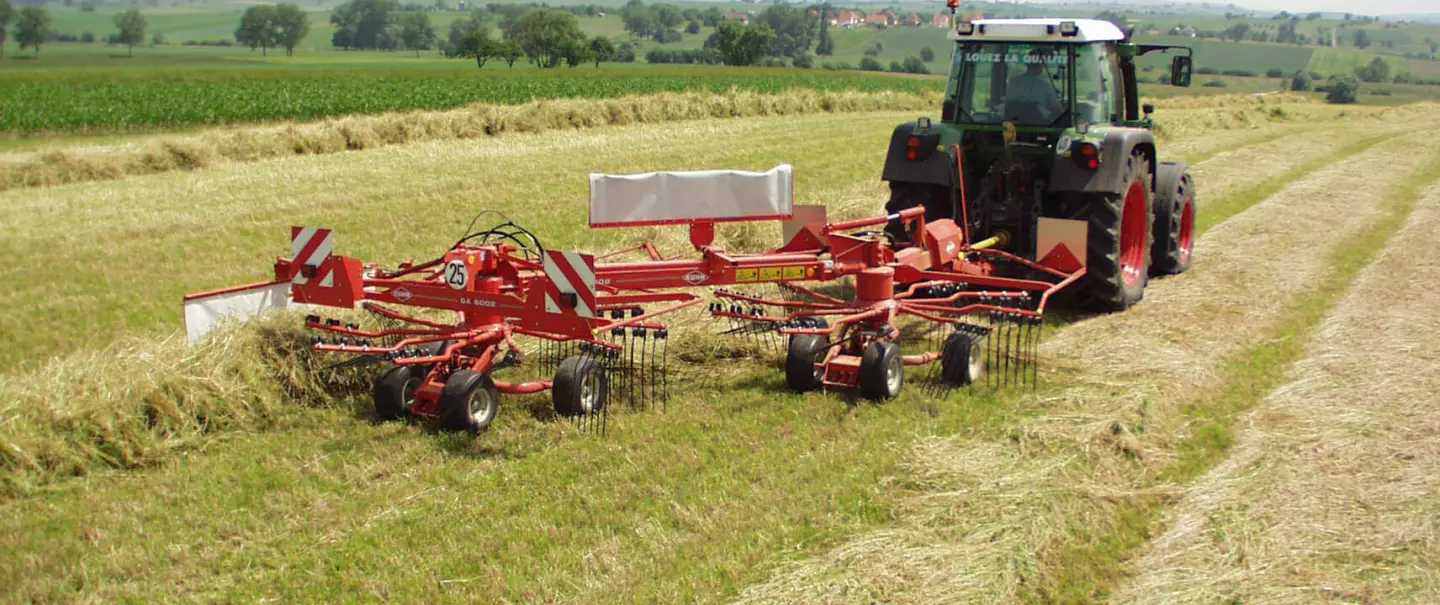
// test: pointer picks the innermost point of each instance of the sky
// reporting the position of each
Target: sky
(1365, 7)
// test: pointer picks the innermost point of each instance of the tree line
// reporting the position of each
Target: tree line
(32, 28)
(262, 26)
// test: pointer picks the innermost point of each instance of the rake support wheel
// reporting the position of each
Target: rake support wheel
(882, 371)
(580, 388)
(1118, 243)
(395, 392)
(469, 402)
(962, 359)
(801, 373)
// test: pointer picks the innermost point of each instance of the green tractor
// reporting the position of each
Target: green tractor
(1042, 120)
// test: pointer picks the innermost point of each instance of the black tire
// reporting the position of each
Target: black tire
(1106, 286)
(882, 371)
(935, 199)
(469, 402)
(395, 392)
(806, 350)
(962, 359)
(1174, 234)
(581, 387)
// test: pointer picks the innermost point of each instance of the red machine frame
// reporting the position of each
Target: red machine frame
(502, 290)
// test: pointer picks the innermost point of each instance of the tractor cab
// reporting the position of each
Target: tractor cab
(1046, 73)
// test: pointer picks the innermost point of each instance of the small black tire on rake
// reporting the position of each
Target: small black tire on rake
(581, 387)
(806, 350)
(882, 371)
(395, 392)
(962, 359)
(469, 402)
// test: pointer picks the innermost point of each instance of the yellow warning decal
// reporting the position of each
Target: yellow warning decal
(793, 273)
(769, 273)
(744, 275)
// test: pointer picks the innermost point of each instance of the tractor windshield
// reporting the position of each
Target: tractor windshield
(1022, 83)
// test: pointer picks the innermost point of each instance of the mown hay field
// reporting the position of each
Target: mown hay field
(136, 468)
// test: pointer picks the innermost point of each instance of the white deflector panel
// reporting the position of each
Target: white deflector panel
(656, 198)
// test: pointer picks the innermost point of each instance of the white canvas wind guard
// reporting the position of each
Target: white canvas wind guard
(208, 310)
(657, 198)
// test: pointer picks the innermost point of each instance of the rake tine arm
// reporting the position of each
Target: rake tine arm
(921, 309)
(811, 293)
(1023, 261)
(381, 310)
(1045, 297)
(640, 319)
(375, 334)
(755, 300)
(843, 321)
(411, 270)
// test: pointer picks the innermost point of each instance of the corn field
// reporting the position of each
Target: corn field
(64, 105)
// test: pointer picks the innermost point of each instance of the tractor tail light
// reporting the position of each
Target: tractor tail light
(1087, 155)
(912, 149)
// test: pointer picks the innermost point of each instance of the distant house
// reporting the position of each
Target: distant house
(880, 18)
(940, 20)
(911, 20)
(734, 16)
(845, 17)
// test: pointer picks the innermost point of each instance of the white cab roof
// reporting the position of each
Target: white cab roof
(1047, 30)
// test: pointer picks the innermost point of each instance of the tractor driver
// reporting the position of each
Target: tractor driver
(1033, 88)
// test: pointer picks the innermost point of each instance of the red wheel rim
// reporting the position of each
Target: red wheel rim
(1133, 227)
(1187, 230)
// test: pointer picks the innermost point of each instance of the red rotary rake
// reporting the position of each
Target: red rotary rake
(599, 341)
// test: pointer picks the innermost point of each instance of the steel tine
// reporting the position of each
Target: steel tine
(665, 371)
(1005, 342)
(644, 342)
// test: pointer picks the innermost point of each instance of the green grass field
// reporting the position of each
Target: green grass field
(301, 496)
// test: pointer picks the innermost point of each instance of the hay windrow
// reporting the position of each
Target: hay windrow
(1068, 469)
(354, 133)
(1330, 492)
(132, 403)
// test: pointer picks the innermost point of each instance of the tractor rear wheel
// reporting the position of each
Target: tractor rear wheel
(935, 199)
(882, 371)
(580, 388)
(1174, 221)
(395, 392)
(1118, 248)
(469, 402)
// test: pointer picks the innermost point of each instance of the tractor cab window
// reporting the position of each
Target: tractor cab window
(1097, 85)
(1021, 83)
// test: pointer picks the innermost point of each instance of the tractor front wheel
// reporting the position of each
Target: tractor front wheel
(882, 371)
(1174, 221)
(469, 402)
(1118, 250)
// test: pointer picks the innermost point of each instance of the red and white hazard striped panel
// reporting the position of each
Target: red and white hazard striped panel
(311, 246)
(570, 273)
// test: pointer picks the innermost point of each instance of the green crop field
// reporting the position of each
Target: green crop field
(85, 104)
(1328, 61)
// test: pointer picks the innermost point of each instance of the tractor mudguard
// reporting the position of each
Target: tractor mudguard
(1067, 176)
(935, 167)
